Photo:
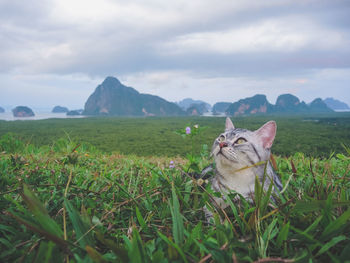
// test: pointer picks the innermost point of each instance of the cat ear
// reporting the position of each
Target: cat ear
(229, 125)
(267, 133)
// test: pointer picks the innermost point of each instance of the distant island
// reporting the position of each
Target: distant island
(188, 102)
(221, 107)
(285, 103)
(194, 107)
(197, 109)
(336, 104)
(2, 110)
(74, 112)
(59, 109)
(258, 104)
(23, 111)
(112, 98)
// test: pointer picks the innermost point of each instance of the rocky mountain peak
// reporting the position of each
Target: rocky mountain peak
(290, 103)
(257, 104)
(113, 98)
(111, 81)
(287, 100)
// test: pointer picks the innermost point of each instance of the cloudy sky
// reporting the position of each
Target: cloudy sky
(55, 52)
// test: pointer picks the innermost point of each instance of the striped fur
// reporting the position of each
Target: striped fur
(240, 155)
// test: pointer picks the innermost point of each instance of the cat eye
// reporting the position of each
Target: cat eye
(240, 141)
(221, 138)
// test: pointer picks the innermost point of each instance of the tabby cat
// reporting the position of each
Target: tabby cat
(240, 155)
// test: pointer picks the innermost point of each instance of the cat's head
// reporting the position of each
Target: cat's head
(236, 148)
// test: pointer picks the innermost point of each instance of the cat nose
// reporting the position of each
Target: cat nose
(223, 144)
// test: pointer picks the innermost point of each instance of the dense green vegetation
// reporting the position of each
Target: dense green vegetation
(69, 202)
(318, 135)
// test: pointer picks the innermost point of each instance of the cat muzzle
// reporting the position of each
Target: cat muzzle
(223, 144)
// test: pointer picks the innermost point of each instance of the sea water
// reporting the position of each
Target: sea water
(8, 116)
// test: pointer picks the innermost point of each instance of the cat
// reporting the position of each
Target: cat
(240, 156)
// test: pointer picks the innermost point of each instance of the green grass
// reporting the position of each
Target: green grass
(69, 202)
(155, 136)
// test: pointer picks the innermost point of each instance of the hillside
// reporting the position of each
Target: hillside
(112, 98)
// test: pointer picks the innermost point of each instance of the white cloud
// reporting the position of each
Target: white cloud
(272, 35)
(201, 48)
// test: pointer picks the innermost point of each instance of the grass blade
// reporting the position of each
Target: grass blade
(336, 225)
(81, 229)
(137, 252)
(44, 254)
(119, 251)
(313, 225)
(140, 219)
(283, 234)
(178, 226)
(61, 242)
(94, 255)
(171, 243)
(266, 199)
(328, 245)
(40, 213)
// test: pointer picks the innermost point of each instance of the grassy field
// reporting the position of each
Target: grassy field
(101, 190)
(313, 135)
(70, 202)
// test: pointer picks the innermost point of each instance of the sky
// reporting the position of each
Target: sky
(56, 52)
